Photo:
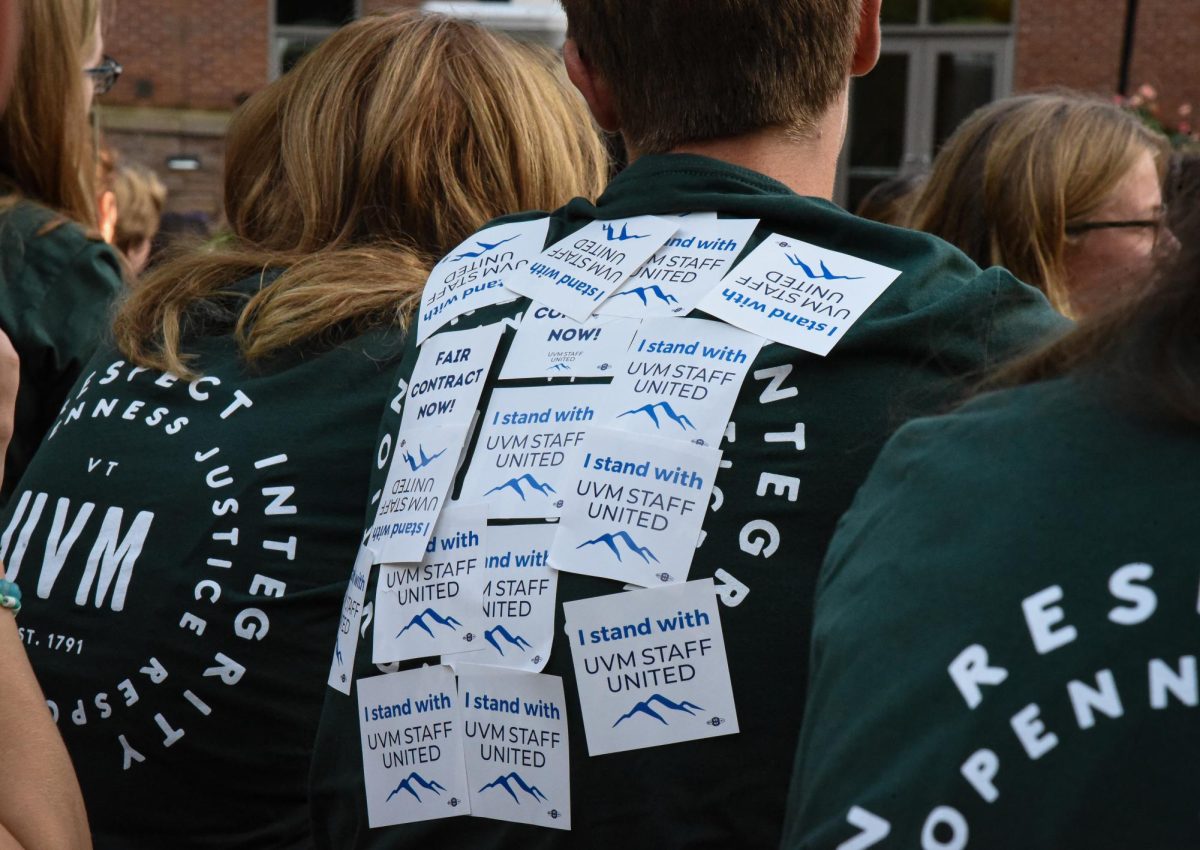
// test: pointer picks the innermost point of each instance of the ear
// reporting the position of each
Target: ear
(866, 45)
(592, 86)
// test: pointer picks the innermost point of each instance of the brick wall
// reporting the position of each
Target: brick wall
(187, 54)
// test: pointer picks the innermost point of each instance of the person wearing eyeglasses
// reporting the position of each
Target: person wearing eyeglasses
(57, 276)
(1063, 190)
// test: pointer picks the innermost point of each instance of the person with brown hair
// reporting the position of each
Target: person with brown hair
(185, 533)
(1004, 646)
(681, 514)
(58, 276)
(1061, 189)
(140, 198)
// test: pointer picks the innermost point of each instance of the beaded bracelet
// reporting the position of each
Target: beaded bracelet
(10, 596)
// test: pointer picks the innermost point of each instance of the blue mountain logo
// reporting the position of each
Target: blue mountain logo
(622, 236)
(515, 484)
(679, 419)
(419, 622)
(424, 459)
(825, 274)
(484, 245)
(407, 785)
(508, 780)
(515, 640)
(640, 292)
(560, 367)
(647, 707)
(611, 539)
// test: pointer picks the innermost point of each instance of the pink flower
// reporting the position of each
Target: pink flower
(1185, 127)
(1185, 110)
(1147, 91)
(1135, 101)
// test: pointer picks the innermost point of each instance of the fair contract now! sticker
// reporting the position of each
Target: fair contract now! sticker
(448, 378)
(680, 379)
(473, 274)
(411, 730)
(682, 272)
(526, 435)
(434, 607)
(651, 668)
(576, 274)
(797, 294)
(551, 345)
(636, 507)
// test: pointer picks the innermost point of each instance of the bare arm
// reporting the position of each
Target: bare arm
(41, 807)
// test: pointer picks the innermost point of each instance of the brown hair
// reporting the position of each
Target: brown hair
(141, 197)
(45, 143)
(384, 148)
(693, 70)
(1020, 171)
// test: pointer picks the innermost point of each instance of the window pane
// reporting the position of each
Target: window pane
(899, 12)
(293, 48)
(878, 107)
(971, 11)
(965, 82)
(315, 13)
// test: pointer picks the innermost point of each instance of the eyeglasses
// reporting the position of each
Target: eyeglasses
(104, 76)
(1158, 224)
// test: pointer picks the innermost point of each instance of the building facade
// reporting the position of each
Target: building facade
(188, 65)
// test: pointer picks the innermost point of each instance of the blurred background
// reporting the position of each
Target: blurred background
(189, 64)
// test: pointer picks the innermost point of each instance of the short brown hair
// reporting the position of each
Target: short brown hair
(141, 197)
(691, 70)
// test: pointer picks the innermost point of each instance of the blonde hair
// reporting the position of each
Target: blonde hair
(45, 144)
(141, 197)
(1020, 171)
(389, 144)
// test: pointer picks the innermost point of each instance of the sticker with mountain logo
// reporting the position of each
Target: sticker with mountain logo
(434, 607)
(680, 378)
(411, 729)
(634, 511)
(516, 747)
(682, 271)
(650, 666)
(551, 345)
(518, 599)
(525, 437)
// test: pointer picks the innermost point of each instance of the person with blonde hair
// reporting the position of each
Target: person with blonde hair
(1063, 190)
(140, 197)
(186, 532)
(58, 276)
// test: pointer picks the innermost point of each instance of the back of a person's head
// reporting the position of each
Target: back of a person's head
(406, 127)
(1019, 172)
(45, 147)
(141, 197)
(685, 71)
(890, 201)
(389, 144)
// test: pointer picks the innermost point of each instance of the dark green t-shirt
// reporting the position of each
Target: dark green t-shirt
(804, 431)
(1004, 648)
(56, 286)
(183, 548)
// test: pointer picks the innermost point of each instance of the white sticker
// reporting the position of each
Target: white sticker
(680, 379)
(518, 599)
(576, 274)
(448, 378)
(411, 731)
(526, 436)
(695, 216)
(423, 466)
(473, 274)
(551, 345)
(635, 511)
(435, 606)
(650, 666)
(341, 669)
(681, 272)
(515, 745)
(798, 294)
